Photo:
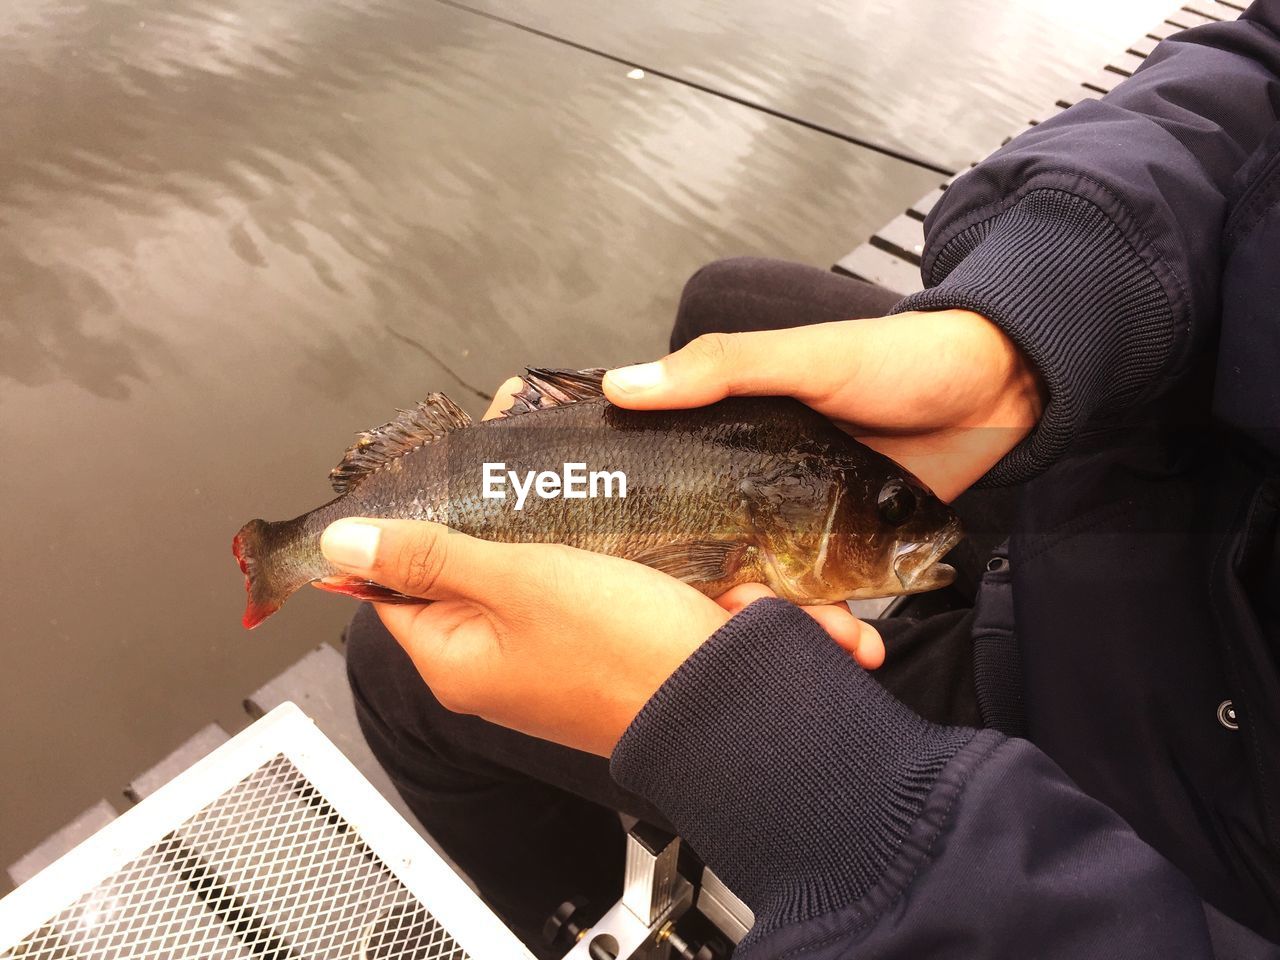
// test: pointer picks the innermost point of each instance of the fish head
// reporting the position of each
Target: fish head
(889, 534)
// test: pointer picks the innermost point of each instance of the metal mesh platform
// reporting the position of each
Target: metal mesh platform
(272, 847)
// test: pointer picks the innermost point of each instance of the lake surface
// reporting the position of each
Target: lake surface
(232, 234)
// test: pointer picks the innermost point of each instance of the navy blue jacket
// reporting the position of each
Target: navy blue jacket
(1131, 247)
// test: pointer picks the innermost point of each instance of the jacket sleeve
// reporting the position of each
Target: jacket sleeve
(853, 828)
(1092, 239)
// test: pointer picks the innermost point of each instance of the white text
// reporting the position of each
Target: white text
(573, 482)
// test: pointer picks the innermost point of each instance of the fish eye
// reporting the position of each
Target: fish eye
(896, 503)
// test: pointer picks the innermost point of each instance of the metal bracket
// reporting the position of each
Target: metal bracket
(654, 895)
(722, 907)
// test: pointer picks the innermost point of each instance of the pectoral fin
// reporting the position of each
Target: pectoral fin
(695, 561)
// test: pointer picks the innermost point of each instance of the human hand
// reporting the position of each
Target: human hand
(555, 642)
(946, 393)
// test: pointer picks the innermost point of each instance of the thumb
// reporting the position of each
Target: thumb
(719, 365)
(414, 557)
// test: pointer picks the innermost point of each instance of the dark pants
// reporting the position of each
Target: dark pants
(534, 823)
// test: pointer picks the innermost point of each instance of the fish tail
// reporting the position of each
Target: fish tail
(269, 577)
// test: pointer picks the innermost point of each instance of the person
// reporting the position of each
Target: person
(1086, 763)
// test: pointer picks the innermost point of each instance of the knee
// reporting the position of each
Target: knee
(392, 702)
(704, 302)
(428, 751)
(373, 656)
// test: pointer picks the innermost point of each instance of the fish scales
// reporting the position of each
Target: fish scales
(747, 489)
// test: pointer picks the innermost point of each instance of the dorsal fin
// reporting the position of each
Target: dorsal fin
(542, 388)
(425, 423)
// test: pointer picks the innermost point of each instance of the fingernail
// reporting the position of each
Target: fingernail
(636, 378)
(351, 544)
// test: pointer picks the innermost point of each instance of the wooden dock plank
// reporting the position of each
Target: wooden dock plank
(882, 267)
(54, 846)
(1164, 30)
(1212, 9)
(926, 203)
(1104, 81)
(1189, 18)
(203, 743)
(1072, 97)
(1143, 47)
(905, 235)
(1126, 63)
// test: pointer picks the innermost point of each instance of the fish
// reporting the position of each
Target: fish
(748, 489)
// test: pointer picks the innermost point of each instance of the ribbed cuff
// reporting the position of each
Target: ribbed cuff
(1059, 277)
(791, 772)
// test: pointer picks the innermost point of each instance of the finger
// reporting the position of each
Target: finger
(502, 398)
(417, 558)
(871, 649)
(742, 596)
(861, 640)
(758, 363)
(844, 627)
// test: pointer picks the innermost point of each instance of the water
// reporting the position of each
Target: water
(942, 80)
(232, 234)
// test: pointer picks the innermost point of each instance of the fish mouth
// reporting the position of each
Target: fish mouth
(917, 564)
